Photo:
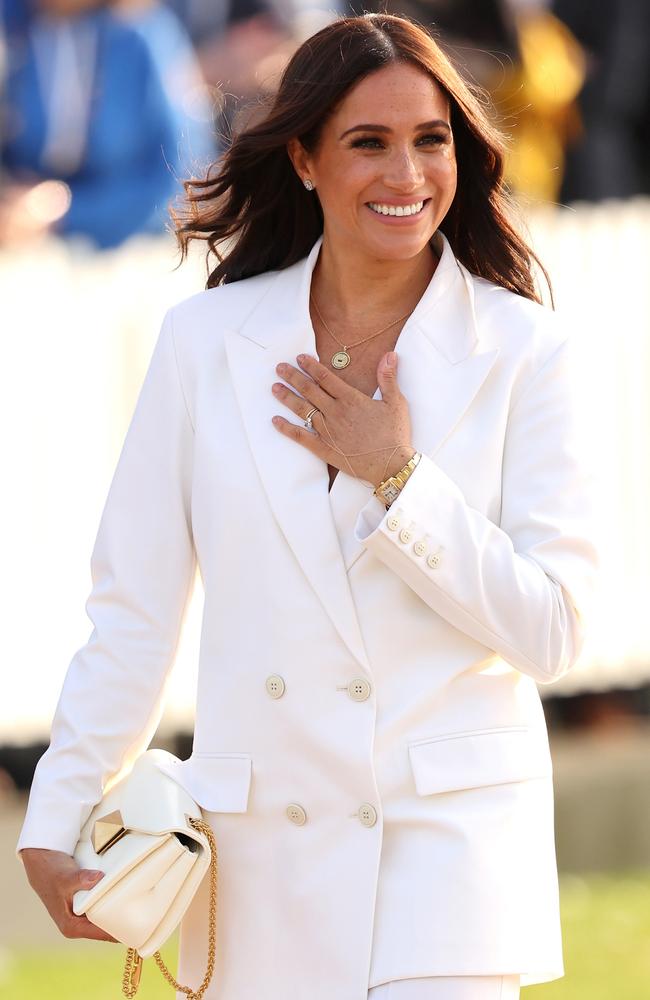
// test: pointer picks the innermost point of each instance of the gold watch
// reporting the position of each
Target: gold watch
(389, 490)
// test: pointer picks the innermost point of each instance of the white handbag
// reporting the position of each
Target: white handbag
(148, 837)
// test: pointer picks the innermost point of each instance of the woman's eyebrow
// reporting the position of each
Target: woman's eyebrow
(436, 123)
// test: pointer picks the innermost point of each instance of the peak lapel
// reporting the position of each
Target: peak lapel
(294, 479)
(441, 368)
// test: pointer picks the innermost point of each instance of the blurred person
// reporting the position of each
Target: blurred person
(395, 543)
(481, 35)
(102, 108)
(244, 60)
(243, 46)
(609, 154)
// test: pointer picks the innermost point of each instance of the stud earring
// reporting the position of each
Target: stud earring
(308, 184)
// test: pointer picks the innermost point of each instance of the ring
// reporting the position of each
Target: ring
(308, 423)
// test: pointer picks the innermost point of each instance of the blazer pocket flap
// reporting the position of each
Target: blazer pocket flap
(218, 782)
(471, 760)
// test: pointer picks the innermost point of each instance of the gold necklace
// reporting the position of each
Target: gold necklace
(341, 359)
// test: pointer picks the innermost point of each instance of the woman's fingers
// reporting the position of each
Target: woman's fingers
(73, 926)
(56, 877)
(80, 926)
(324, 377)
(309, 389)
(85, 878)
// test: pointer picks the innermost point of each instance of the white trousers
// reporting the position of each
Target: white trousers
(448, 988)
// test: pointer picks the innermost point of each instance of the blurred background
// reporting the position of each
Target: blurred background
(105, 108)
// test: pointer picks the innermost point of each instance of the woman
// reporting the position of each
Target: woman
(392, 554)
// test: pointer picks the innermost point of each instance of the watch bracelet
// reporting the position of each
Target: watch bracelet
(407, 469)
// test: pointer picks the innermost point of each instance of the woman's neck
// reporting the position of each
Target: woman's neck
(363, 291)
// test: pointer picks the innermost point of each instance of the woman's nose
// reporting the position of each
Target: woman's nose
(405, 170)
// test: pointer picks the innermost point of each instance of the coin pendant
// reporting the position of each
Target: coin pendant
(341, 359)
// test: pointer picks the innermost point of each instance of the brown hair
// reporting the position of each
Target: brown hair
(253, 198)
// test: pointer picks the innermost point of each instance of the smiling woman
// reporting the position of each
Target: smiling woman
(384, 186)
(254, 195)
(368, 715)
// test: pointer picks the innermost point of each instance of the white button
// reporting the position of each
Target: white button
(275, 686)
(433, 560)
(405, 535)
(359, 689)
(296, 814)
(393, 522)
(419, 548)
(367, 814)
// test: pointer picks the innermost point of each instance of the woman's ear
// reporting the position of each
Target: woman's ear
(299, 158)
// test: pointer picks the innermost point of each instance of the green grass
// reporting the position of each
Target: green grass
(606, 921)
(81, 970)
(606, 925)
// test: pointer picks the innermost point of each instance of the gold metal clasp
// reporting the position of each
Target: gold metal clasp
(132, 973)
(107, 830)
(136, 971)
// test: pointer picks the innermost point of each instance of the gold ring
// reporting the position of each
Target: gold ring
(308, 423)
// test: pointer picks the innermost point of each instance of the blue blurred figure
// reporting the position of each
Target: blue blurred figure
(108, 99)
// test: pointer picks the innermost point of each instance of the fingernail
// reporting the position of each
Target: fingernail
(392, 357)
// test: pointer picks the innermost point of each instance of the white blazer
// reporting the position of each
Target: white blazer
(370, 744)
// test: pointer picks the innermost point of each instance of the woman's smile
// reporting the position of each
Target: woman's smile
(399, 213)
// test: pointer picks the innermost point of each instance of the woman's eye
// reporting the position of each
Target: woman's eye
(366, 143)
(424, 140)
(433, 139)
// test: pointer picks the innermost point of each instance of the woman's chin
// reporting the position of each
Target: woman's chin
(400, 244)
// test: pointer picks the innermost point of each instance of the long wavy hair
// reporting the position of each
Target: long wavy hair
(254, 212)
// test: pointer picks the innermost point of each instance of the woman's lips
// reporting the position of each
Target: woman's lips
(400, 220)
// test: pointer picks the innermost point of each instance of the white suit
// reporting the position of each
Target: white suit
(370, 745)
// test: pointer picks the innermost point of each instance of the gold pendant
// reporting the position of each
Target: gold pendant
(341, 359)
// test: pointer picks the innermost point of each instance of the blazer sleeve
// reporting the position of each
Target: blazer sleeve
(142, 569)
(522, 587)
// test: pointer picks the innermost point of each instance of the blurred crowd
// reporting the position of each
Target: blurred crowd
(107, 105)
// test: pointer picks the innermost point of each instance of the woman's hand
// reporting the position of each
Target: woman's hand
(366, 430)
(55, 877)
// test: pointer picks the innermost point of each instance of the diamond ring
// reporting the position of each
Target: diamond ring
(308, 423)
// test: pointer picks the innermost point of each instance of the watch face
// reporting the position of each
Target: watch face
(390, 492)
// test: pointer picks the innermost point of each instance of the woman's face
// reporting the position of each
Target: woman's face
(388, 148)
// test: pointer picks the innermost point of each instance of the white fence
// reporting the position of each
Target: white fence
(78, 329)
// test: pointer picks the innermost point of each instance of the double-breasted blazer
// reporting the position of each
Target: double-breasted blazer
(370, 744)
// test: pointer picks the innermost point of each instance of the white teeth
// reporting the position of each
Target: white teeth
(396, 209)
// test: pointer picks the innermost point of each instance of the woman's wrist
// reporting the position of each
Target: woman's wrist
(400, 458)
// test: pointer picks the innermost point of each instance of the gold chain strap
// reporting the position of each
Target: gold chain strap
(133, 965)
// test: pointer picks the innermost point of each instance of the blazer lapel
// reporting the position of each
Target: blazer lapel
(441, 368)
(295, 480)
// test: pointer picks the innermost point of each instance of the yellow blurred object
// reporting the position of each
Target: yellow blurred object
(553, 62)
(537, 104)
(534, 163)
